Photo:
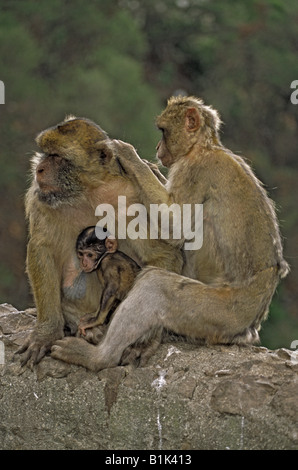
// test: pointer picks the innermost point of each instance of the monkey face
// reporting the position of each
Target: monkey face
(72, 160)
(89, 258)
(56, 179)
(182, 123)
(163, 154)
(174, 141)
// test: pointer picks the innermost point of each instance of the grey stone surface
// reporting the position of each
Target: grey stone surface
(187, 397)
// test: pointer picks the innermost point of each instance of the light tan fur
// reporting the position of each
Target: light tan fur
(228, 284)
(70, 177)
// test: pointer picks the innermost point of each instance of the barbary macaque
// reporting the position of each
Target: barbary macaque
(116, 270)
(72, 175)
(227, 285)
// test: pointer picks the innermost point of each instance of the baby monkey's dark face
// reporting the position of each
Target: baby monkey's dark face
(90, 256)
(89, 249)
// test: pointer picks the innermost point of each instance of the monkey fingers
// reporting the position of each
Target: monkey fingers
(105, 147)
(75, 351)
(154, 168)
(33, 351)
(127, 156)
(88, 321)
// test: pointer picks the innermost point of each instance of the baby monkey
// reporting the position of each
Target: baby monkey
(115, 269)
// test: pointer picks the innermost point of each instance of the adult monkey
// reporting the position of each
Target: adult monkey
(71, 178)
(239, 265)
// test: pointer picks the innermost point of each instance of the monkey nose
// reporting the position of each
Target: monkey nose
(40, 168)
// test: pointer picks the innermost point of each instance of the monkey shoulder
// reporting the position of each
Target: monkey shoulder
(232, 175)
(118, 262)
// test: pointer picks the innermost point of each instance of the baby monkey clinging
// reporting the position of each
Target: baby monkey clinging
(115, 269)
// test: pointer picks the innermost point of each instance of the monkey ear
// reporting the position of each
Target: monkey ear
(104, 151)
(111, 244)
(192, 119)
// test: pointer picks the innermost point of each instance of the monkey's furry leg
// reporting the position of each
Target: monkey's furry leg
(187, 307)
(128, 325)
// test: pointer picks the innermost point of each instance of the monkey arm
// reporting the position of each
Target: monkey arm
(108, 298)
(151, 189)
(45, 282)
(154, 168)
(89, 321)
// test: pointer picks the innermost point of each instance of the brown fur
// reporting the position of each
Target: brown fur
(115, 270)
(228, 284)
(71, 177)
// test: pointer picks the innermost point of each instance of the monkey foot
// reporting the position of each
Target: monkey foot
(75, 351)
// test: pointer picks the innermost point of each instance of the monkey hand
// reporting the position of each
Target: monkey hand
(155, 170)
(128, 157)
(37, 346)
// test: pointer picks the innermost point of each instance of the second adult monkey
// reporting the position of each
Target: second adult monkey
(229, 282)
(116, 271)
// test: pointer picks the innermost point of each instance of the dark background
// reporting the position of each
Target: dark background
(117, 62)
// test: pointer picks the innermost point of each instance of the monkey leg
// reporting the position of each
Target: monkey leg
(227, 314)
(187, 307)
(128, 325)
(140, 352)
(75, 351)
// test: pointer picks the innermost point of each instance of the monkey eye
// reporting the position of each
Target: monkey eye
(102, 155)
(163, 131)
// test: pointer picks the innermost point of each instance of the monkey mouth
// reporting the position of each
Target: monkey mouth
(47, 188)
(87, 270)
(51, 197)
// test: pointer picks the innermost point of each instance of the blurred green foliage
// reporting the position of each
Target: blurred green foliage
(116, 62)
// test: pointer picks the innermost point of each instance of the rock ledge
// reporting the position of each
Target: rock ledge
(187, 397)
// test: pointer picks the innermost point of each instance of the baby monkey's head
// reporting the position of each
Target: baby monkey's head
(90, 248)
